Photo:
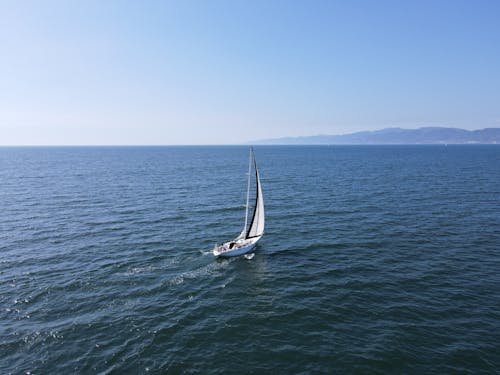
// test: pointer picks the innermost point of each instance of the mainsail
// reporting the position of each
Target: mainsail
(256, 227)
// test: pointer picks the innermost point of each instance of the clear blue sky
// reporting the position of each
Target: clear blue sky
(214, 72)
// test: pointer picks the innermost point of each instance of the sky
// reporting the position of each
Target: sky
(229, 72)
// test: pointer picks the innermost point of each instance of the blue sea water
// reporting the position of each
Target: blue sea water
(376, 259)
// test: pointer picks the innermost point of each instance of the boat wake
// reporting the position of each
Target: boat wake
(249, 256)
(210, 270)
(205, 252)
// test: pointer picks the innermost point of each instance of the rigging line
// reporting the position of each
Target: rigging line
(248, 190)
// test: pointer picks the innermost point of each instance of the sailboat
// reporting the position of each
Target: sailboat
(252, 232)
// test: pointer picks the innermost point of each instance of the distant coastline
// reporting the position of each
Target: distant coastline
(395, 136)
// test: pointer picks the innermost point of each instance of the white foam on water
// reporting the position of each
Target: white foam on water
(204, 253)
(226, 283)
(249, 256)
(135, 270)
(177, 280)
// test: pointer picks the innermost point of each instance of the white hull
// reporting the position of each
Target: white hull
(236, 247)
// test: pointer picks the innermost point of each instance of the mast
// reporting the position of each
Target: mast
(248, 191)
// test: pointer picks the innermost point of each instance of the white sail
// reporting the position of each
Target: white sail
(257, 223)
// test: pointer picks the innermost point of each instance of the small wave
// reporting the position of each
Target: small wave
(228, 281)
(177, 280)
(21, 300)
(135, 270)
(219, 210)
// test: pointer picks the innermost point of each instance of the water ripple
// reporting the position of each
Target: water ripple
(375, 260)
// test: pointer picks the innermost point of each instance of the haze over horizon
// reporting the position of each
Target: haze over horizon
(193, 72)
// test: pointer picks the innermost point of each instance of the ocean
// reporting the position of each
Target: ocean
(375, 260)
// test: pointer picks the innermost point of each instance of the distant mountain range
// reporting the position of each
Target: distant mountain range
(395, 136)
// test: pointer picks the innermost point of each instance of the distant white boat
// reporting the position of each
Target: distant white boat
(252, 233)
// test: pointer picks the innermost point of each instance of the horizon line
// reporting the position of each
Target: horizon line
(259, 145)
